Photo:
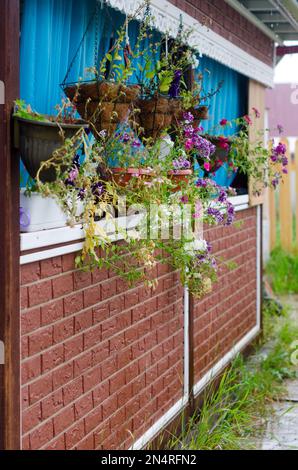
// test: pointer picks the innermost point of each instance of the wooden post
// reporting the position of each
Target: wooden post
(256, 99)
(9, 231)
(272, 218)
(295, 165)
(285, 209)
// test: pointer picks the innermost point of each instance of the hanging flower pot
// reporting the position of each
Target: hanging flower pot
(198, 114)
(103, 104)
(156, 114)
(219, 157)
(37, 140)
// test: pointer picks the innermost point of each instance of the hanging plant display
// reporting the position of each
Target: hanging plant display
(109, 98)
(143, 158)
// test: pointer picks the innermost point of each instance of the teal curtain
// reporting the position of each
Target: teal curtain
(51, 32)
(229, 103)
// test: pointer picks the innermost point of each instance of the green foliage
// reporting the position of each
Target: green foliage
(234, 413)
(282, 269)
(24, 111)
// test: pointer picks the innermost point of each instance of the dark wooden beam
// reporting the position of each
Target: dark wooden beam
(284, 50)
(9, 230)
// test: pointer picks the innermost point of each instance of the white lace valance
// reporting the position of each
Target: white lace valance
(206, 41)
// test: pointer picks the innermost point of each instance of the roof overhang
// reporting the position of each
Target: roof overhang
(278, 19)
(167, 18)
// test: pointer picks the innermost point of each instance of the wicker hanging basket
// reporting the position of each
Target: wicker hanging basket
(103, 104)
(156, 114)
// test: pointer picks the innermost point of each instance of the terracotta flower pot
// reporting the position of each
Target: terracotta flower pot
(122, 176)
(37, 140)
(104, 104)
(178, 177)
(156, 114)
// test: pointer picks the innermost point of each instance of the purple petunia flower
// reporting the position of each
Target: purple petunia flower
(222, 197)
(188, 131)
(73, 174)
(280, 149)
(136, 144)
(216, 213)
(205, 147)
(181, 163)
(275, 182)
(125, 137)
(97, 191)
(81, 193)
(175, 86)
(188, 117)
(201, 183)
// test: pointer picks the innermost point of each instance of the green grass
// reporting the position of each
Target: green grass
(234, 414)
(282, 270)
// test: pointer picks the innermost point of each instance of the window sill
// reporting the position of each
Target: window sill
(59, 241)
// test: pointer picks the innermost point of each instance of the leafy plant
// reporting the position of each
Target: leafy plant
(282, 269)
(24, 111)
(234, 413)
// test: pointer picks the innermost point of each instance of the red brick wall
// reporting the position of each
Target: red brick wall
(227, 22)
(223, 317)
(99, 361)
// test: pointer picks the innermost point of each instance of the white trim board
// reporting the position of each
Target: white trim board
(50, 238)
(204, 40)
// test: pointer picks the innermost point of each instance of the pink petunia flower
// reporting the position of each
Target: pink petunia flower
(73, 174)
(257, 113)
(223, 122)
(184, 199)
(247, 119)
(188, 144)
(223, 143)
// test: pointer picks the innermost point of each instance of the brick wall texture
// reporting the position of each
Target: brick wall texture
(102, 362)
(228, 23)
(223, 317)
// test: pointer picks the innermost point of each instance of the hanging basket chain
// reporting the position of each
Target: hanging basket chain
(99, 6)
(94, 16)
